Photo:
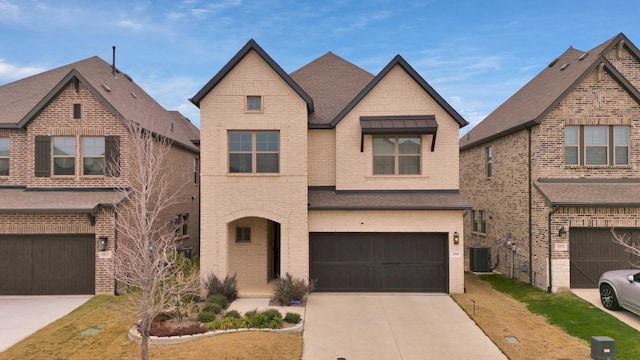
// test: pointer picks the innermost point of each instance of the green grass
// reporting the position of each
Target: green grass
(574, 315)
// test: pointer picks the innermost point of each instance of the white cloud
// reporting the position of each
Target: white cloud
(9, 11)
(129, 24)
(363, 20)
(11, 72)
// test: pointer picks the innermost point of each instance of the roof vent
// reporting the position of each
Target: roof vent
(104, 86)
(128, 77)
(564, 66)
(134, 95)
(553, 62)
(583, 56)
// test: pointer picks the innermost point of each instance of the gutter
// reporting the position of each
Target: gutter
(553, 211)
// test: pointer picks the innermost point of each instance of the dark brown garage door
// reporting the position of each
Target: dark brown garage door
(47, 264)
(379, 262)
(592, 253)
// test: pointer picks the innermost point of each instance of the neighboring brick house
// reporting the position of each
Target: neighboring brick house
(64, 150)
(555, 167)
(330, 173)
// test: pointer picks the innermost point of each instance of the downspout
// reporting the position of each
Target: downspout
(553, 211)
(115, 252)
(531, 281)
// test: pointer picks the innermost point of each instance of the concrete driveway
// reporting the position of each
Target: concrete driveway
(593, 296)
(21, 316)
(392, 326)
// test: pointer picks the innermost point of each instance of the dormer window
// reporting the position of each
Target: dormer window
(254, 103)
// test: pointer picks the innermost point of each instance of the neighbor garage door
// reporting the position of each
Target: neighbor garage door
(47, 264)
(379, 262)
(592, 253)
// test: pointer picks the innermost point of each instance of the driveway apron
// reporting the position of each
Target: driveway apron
(392, 326)
(21, 316)
(593, 296)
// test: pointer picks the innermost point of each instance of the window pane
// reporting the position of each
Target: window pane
(239, 141)
(384, 145)
(384, 165)
(64, 166)
(571, 135)
(596, 155)
(4, 167)
(254, 103)
(93, 166)
(409, 165)
(409, 145)
(571, 155)
(622, 155)
(595, 135)
(92, 146)
(64, 146)
(267, 141)
(240, 163)
(4, 146)
(621, 135)
(267, 163)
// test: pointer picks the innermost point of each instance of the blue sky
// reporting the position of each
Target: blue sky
(474, 53)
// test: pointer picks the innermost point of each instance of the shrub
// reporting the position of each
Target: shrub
(292, 318)
(219, 300)
(225, 324)
(159, 329)
(227, 287)
(212, 307)
(232, 314)
(271, 319)
(272, 314)
(206, 316)
(288, 288)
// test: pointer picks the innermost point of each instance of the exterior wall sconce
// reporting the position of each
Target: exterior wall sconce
(562, 232)
(104, 242)
(456, 238)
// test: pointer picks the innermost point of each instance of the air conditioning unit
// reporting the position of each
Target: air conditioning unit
(480, 258)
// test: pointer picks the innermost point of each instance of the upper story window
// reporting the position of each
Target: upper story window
(254, 103)
(77, 111)
(254, 151)
(596, 145)
(4, 156)
(93, 155)
(64, 155)
(396, 155)
(489, 160)
(100, 155)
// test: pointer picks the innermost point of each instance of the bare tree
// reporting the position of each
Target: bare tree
(625, 241)
(146, 256)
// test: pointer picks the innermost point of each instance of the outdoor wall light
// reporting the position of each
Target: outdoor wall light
(104, 242)
(562, 232)
(456, 238)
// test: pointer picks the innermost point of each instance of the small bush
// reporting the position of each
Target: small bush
(226, 324)
(288, 288)
(219, 300)
(206, 316)
(212, 307)
(227, 287)
(272, 314)
(292, 318)
(232, 314)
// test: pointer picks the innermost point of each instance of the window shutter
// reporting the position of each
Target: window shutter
(112, 155)
(43, 156)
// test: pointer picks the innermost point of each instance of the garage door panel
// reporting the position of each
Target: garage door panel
(393, 261)
(57, 264)
(15, 270)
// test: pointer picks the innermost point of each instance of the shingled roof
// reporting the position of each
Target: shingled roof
(590, 192)
(529, 105)
(321, 198)
(21, 101)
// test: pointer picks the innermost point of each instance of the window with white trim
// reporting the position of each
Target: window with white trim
(596, 145)
(489, 161)
(396, 155)
(479, 221)
(64, 155)
(254, 103)
(4, 156)
(254, 151)
(93, 158)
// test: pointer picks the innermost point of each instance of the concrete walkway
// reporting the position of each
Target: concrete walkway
(390, 327)
(21, 316)
(593, 296)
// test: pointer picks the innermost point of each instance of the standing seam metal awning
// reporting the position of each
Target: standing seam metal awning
(399, 125)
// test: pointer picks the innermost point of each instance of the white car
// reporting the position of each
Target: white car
(620, 289)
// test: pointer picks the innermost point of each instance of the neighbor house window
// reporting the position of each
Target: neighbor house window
(254, 151)
(181, 224)
(254, 103)
(64, 155)
(243, 234)
(489, 161)
(4, 156)
(478, 218)
(396, 155)
(596, 145)
(93, 155)
(196, 170)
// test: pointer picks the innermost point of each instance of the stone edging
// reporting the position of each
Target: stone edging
(134, 335)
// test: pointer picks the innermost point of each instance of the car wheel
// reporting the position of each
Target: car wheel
(608, 297)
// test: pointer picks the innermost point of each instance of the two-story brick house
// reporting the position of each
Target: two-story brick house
(331, 173)
(65, 149)
(555, 167)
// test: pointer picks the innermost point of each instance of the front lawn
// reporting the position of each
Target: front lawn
(98, 330)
